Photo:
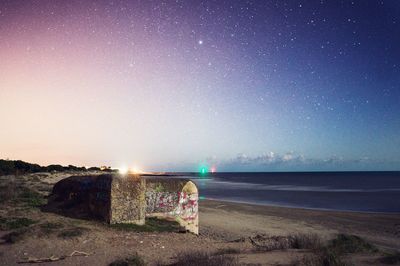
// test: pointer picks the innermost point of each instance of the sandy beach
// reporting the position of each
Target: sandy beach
(224, 227)
(242, 220)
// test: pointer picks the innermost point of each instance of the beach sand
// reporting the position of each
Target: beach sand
(224, 227)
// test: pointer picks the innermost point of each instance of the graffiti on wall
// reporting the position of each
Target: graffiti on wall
(179, 204)
(161, 202)
(187, 208)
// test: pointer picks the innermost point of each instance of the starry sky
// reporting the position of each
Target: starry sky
(171, 85)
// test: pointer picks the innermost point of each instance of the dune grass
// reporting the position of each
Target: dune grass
(12, 223)
(333, 252)
(71, 232)
(295, 241)
(224, 251)
(16, 193)
(15, 236)
(345, 244)
(30, 198)
(151, 225)
(199, 258)
(324, 257)
(306, 241)
(50, 227)
(133, 260)
(391, 258)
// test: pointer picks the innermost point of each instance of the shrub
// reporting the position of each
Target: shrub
(321, 257)
(55, 168)
(50, 227)
(331, 255)
(224, 251)
(391, 258)
(298, 241)
(306, 241)
(71, 232)
(21, 195)
(14, 236)
(198, 258)
(152, 225)
(8, 167)
(134, 260)
(350, 244)
(15, 223)
(8, 192)
(31, 198)
(269, 243)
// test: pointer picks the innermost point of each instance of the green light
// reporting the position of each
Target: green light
(203, 170)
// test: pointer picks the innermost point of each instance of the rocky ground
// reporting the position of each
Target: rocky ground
(230, 234)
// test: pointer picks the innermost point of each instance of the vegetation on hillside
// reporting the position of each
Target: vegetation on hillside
(10, 167)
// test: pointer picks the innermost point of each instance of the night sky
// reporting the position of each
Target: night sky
(172, 85)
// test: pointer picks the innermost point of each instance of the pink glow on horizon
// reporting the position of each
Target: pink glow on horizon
(91, 91)
(213, 169)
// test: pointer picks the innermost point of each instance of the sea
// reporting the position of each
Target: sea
(343, 191)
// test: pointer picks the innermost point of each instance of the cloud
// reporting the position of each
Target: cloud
(267, 158)
(290, 161)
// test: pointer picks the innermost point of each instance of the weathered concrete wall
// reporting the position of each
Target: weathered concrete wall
(82, 196)
(100, 198)
(173, 198)
(128, 204)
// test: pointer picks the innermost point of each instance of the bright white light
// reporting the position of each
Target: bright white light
(200, 42)
(135, 170)
(123, 170)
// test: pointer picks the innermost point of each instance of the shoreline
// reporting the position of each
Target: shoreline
(251, 208)
(297, 207)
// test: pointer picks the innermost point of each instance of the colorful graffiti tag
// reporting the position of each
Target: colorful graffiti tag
(187, 208)
(180, 205)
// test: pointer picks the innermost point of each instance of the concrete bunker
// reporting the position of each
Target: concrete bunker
(127, 199)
